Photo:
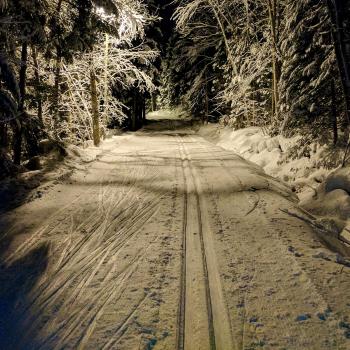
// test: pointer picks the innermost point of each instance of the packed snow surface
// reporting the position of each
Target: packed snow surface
(162, 240)
(311, 170)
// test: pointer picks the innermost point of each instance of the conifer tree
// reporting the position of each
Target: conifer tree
(309, 73)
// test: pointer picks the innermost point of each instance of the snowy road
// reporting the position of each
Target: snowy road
(168, 242)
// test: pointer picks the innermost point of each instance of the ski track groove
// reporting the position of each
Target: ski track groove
(75, 248)
(123, 326)
(214, 330)
(89, 258)
(25, 246)
(182, 300)
(69, 279)
(78, 264)
(220, 321)
(204, 146)
(253, 262)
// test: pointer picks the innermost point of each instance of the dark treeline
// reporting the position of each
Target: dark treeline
(280, 64)
(69, 70)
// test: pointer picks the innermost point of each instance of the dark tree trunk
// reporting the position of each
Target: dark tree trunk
(143, 109)
(56, 93)
(3, 132)
(3, 135)
(276, 64)
(340, 17)
(95, 109)
(38, 85)
(154, 102)
(134, 112)
(58, 63)
(138, 111)
(334, 114)
(18, 135)
(206, 120)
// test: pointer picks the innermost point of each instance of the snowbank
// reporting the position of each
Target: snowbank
(311, 170)
(79, 157)
(332, 201)
(85, 155)
(301, 167)
(49, 169)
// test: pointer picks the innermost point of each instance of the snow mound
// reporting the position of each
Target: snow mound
(311, 170)
(252, 144)
(301, 167)
(86, 155)
(331, 200)
(340, 179)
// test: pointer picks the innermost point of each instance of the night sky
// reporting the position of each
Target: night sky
(166, 27)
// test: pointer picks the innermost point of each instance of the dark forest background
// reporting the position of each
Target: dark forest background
(72, 71)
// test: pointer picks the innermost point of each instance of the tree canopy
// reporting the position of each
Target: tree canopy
(69, 70)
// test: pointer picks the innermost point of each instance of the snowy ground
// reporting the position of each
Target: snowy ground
(312, 171)
(166, 241)
(304, 168)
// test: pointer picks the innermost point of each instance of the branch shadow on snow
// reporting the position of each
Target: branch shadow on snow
(15, 192)
(17, 279)
(166, 125)
(159, 184)
(22, 189)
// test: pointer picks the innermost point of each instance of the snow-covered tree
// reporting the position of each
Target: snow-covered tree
(310, 86)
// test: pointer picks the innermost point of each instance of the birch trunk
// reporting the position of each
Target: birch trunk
(221, 25)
